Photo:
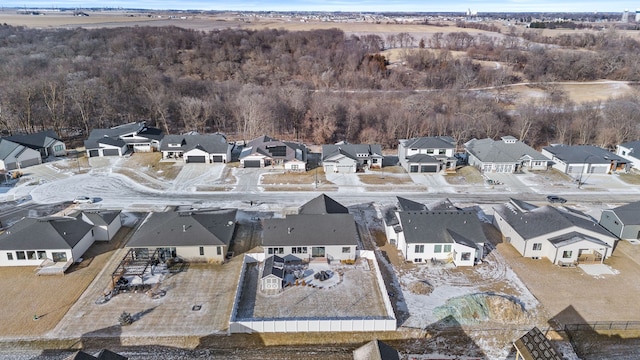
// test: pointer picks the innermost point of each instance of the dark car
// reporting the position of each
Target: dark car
(556, 199)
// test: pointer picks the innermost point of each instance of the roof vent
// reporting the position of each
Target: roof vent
(289, 230)
(184, 228)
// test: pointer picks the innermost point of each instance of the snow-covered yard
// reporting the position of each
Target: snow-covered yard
(352, 292)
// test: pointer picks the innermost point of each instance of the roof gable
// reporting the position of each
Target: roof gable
(629, 214)
(323, 205)
(45, 233)
(36, 140)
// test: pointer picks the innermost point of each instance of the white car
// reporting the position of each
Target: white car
(83, 200)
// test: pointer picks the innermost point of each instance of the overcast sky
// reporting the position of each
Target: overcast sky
(348, 5)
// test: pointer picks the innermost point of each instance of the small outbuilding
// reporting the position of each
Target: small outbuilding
(272, 275)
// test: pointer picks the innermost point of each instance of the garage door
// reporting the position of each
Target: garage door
(429, 168)
(218, 158)
(197, 159)
(111, 152)
(29, 162)
(598, 169)
(94, 153)
(574, 169)
(345, 169)
(252, 163)
(328, 169)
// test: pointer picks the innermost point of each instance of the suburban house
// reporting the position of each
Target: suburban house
(196, 148)
(631, 152)
(442, 233)
(55, 239)
(15, 156)
(265, 151)
(321, 229)
(350, 158)
(427, 154)
(191, 235)
(584, 159)
(623, 221)
(116, 141)
(508, 155)
(562, 235)
(46, 143)
(272, 277)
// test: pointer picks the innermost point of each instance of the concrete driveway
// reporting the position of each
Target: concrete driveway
(248, 179)
(346, 181)
(192, 175)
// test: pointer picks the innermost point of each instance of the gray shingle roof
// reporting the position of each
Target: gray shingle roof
(499, 151)
(188, 228)
(323, 205)
(535, 346)
(582, 154)
(264, 144)
(422, 159)
(430, 142)
(436, 227)
(629, 214)
(37, 140)
(7, 148)
(114, 136)
(350, 150)
(310, 230)
(574, 237)
(273, 265)
(634, 147)
(45, 233)
(210, 143)
(410, 205)
(101, 217)
(544, 220)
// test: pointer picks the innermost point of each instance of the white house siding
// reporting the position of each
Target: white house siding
(260, 158)
(525, 247)
(341, 164)
(196, 152)
(295, 165)
(61, 149)
(4, 261)
(82, 246)
(556, 254)
(433, 152)
(28, 157)
(332, 252)
(610, 221)
(106, 233)
(623, 151)
(212, 253)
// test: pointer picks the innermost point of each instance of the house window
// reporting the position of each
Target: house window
(537, 246)
(58, 148)
(567, 254)
(437, 249)
(21, 255)
(413, 168)
(465, 256)
(442, 151)
(42, 255)
(419, 249)
(447, 248)
(275, 251)
(9, 256)
(59, 256)
(374, 161)
(299, 250)
(295, 167)
(429, 151)
(219, 250)
(346, 249)
(201, 250)
(31, 255)
(416, 260)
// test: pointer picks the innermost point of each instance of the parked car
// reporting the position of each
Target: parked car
(556, 199)
(83, 200)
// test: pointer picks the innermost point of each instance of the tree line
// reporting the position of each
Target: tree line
(316, 86)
